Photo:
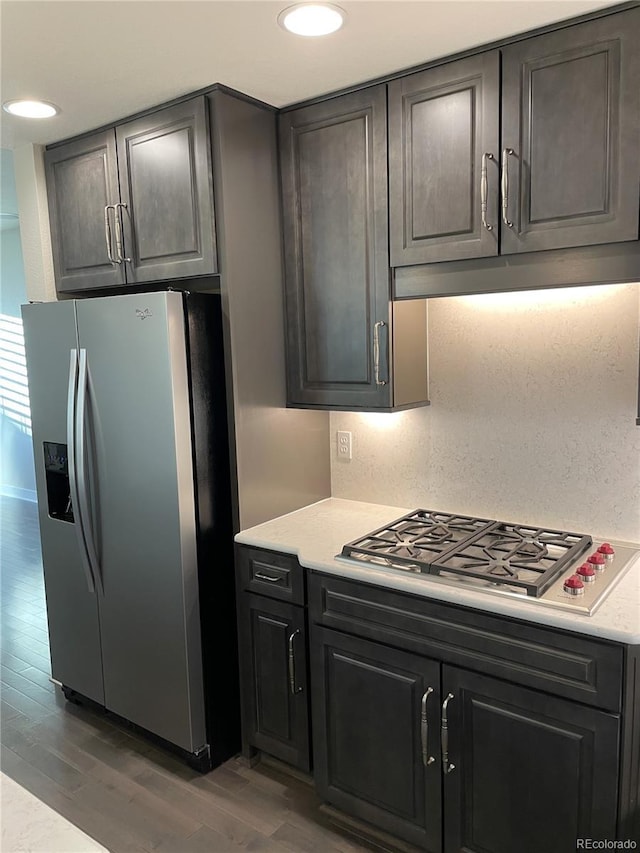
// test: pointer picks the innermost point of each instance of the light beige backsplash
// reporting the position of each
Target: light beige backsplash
(532, 416)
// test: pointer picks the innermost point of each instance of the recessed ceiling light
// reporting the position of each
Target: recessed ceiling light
(31, 109)
(312, 19)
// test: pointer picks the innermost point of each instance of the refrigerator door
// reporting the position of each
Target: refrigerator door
(72, 606)
(139, 483)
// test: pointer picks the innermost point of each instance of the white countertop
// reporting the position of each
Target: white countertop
(316, 533)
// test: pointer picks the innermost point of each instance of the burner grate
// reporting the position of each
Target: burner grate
(524, 558)
(415, 540)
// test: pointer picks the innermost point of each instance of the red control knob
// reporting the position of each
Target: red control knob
(598, 561)
(574, 585)
(587, 573)
(606, 550)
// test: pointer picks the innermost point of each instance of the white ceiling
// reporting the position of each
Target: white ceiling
(101, 61)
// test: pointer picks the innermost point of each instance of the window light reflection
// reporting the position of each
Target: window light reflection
(14, 391)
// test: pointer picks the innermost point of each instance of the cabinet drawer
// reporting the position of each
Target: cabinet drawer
(271, 573)
(569, 665)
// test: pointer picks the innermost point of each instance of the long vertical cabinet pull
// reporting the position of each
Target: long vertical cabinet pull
(424, 731)
(71, 462)
(292, 665)
(376, 351)
(107, 232)
(119, 232)
(81, 469)
(444, 738)
(506, 153)
(484, 190)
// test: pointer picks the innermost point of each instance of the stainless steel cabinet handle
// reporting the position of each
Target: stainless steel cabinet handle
(83, 489)
(71, 462)
(119, 233)
(262, 577)
(292, 665)
(107, 232)
(376, 351)
(484, 190)
(444, 738)
(506, 153)
(424, 731)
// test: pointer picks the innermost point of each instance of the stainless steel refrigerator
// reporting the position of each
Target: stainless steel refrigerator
(132, 468)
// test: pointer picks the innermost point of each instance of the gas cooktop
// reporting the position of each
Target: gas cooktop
(551, 567)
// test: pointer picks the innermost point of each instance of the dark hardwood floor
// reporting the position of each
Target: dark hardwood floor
(112, 784)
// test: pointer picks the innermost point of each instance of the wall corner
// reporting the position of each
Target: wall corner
(35, 233)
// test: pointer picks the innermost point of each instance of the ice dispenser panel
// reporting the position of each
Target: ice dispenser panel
(57, 473)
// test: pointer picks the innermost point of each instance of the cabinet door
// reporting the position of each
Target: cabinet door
(167, 196)
(443, 129)
(334, 184)
(530, 772)
(372, 754)
(571, 117)
(275, 697)
(82, 179)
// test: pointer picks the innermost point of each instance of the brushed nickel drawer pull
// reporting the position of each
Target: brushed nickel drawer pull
(424, 731)
(119, 232)
(444, 738)
(107, 232)
(262, 577)
(292, 665)
(506, 153)
(484, 190)
(376, 351)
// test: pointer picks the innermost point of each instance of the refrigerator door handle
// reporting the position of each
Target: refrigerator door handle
(73, 473)
(81, 468)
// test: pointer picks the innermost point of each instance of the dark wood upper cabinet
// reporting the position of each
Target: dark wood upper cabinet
(563, 173)
(571, 117)
(337, 274)
(443, 129)
(166, 185)
(82, 179)
(135, 203)
(339, 319)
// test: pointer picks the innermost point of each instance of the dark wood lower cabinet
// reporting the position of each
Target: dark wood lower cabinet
(525, 772)
(372, 754)
(450, 730)
(531, 772)
(274, 686)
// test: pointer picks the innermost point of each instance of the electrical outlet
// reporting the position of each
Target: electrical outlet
(344, 445)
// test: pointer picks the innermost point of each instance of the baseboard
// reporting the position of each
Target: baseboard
(285, 768)
(8, 491)
(365, 832)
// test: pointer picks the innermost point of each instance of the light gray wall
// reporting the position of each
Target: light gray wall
(282, 455)
(17, 476)
(534, 400)
(31, 193)
(12, 287)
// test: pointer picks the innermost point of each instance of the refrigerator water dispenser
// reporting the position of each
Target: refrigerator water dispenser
(57, 474)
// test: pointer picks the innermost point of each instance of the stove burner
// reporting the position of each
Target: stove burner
(497, 566)
(526, 559)
(411, 540)
(420, 536)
